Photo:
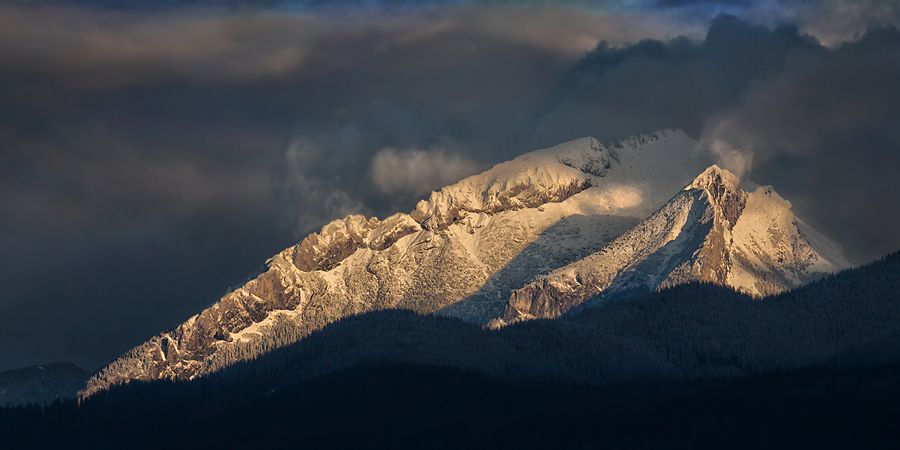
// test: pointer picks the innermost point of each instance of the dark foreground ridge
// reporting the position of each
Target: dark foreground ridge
(415, 407)
(690, 366)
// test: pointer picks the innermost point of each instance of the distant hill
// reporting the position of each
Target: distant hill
(40, 384)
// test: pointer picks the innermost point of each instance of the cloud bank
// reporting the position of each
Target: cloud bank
(151, 157)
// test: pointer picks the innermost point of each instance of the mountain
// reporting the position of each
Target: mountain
(712, 231)
(40, 385)
(463, 251)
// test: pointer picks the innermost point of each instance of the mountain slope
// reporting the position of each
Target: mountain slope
(712, 231)
(460, 253)
(686, 331)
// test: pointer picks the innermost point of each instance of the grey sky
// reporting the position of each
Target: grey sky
(151, 158)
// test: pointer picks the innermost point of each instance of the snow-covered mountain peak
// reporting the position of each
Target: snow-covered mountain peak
(712, 231)
(530, 237)
(585, 154)
(459, 253)
(716, 178)
(553, 174)
(528, 181)
(724, 191)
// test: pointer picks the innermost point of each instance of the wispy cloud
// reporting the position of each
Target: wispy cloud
(417, 172)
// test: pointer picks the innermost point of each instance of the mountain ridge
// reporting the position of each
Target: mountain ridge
(690, 331)
(459, 253)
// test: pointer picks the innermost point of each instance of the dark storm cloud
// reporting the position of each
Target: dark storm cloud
(817, 122)
(825, 127)
(150, 159)
(679, 83)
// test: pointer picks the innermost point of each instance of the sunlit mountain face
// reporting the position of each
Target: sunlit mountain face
(408, 224)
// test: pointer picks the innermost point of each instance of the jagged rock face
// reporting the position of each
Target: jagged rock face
(526, 182)
(341, 238)
(650, 241)
(463, 251)
(710, 232)
(723, 189)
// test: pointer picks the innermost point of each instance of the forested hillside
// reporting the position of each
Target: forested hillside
(415, 407)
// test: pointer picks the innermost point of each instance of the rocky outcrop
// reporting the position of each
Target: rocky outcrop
(545, 176)
(341, 238)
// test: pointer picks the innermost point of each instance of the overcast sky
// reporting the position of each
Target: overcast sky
(154, 154)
